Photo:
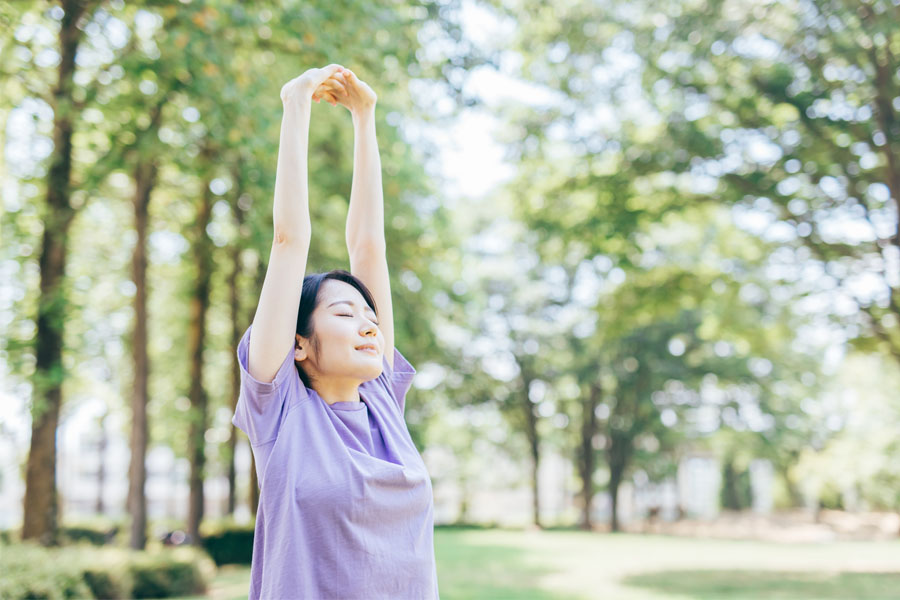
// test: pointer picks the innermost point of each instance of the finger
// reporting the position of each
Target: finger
(328, 71)
(338, 77)
(352, 79)
(331, 84)
(334, 87)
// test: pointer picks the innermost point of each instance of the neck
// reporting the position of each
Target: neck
(337, 390)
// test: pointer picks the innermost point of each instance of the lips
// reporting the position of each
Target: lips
(368, 347)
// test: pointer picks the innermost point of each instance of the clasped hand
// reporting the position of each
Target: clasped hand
(335, 84)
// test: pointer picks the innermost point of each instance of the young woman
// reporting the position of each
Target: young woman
(345, 508)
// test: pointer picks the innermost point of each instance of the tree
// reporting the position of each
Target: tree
(603, 178)
(40, 520)
(791, 110)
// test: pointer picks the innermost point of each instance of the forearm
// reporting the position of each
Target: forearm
(365, 219)
(290, 211)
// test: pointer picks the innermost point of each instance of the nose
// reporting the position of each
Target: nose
(370, 329)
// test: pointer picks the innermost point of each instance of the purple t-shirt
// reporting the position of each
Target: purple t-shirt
(346, 507)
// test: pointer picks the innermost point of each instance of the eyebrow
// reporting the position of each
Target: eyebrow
(350, 302)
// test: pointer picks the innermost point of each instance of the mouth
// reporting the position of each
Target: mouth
(368, 348)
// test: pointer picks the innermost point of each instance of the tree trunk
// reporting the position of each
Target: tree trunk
(534, 445)
(618, 450)
(99, 507)
(237, 325)
(587, 462)
(40, 504)
(254, 478)
(462, 516)
(235, 373)
(254, 486)
(730, 498)
(796, 497)
(144, 181)
(199, 304)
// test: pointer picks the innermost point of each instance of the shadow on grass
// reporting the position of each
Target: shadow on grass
(476, 571)
(774, 585)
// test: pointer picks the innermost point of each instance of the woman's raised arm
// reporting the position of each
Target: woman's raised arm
(365, 227)
(365, 218)
(275, 322)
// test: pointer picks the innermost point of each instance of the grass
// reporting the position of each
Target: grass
(574, 565)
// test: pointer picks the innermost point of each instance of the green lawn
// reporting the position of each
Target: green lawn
(570, 565)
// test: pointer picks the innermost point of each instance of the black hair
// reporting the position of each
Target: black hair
(309, 300)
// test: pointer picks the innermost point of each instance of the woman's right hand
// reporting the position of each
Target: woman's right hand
(300, 89)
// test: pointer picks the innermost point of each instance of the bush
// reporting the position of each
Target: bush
(230, 545)
(31, 571)
(95, 535)
(163, 574)
(106, 585)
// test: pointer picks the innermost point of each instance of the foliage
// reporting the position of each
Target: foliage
(700, 187)
(789, 110)
(231, 544)
(161, 577)
(81, 571)
(193, 89)
(859, 467)
(694, 325)
(97, 536)
(27, 573)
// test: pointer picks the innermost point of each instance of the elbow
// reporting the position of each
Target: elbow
(369, 246)
(291, 237)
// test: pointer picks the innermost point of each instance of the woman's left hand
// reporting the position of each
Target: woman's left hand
(346, 89)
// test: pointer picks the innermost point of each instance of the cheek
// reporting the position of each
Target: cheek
(339, 331)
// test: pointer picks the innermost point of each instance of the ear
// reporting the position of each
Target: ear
(301, 348)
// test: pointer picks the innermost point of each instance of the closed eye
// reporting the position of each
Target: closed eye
(347, 315)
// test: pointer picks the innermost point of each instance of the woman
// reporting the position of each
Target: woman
(346, 507)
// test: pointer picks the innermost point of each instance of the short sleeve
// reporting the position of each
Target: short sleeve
(262, 405)
(398, 379)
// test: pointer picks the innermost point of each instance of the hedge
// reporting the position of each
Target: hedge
(231, 544)
(84, 571)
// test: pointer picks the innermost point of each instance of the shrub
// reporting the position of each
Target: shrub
(107, 583)
(97, 536)
(31, 571)
(231, 545)
(163, 575)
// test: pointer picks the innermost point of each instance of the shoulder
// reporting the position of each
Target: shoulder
(262, 406)
(286, 371)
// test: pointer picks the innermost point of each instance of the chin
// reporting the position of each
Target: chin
(374, 372)
(368, 366)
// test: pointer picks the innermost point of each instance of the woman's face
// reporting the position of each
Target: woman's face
(344, 325)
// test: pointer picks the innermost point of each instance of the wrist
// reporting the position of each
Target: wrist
(367, 112)
(297, 105)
